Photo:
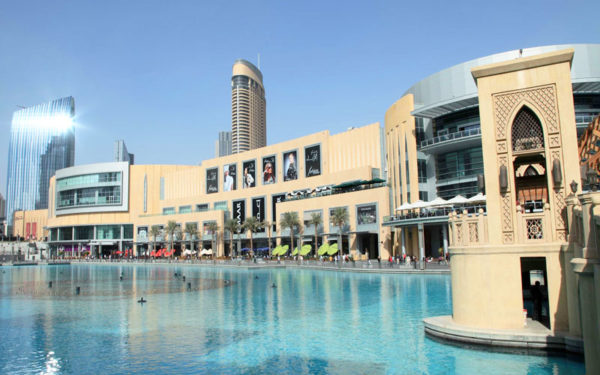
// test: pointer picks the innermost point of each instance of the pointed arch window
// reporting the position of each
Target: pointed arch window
(527, 133)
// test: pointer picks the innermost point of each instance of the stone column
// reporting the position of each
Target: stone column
(588, 271)
(421, 245)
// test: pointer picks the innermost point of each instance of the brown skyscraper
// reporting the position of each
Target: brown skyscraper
(248, 108)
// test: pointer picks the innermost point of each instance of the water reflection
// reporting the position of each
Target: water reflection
(233, 322)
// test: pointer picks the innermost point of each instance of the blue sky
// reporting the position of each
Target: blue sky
(157, 73)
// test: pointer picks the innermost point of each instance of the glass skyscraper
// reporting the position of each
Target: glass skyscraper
(42, 140)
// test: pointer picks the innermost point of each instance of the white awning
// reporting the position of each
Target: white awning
(437, 202)
(479, 198)
(459, 199)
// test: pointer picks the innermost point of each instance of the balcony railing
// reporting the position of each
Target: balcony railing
(435, 212)
(450, 137)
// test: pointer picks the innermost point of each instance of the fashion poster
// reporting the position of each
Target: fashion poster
(290, 166)
(249, 176)
(312, 160)
(212, 183)
(269, 170)
(229, 177)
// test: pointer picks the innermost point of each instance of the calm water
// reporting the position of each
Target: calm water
(230, 322)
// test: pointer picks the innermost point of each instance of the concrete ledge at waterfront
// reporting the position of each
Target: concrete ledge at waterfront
(16, 264)
(533, 336)
(361, 268)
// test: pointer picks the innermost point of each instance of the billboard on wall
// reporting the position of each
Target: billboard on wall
(276, 199)
(312, 160)
(269, 168)
(229, 177)
(249, 174)
(258, 209)
(239, 211)
(366, 214)
(212, 182)
(290, 166)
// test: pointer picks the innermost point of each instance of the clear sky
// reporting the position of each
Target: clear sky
(157, 73)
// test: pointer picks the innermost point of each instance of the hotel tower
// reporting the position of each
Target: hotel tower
(248, 108)
(42, 141)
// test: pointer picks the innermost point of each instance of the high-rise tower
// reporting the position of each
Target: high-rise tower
(42, 140)
(248, 108)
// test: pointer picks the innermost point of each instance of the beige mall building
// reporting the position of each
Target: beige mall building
(479, 161)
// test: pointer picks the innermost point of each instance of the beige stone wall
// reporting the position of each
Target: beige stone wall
(487, 290)
(486, 278)
(401, 141)
(349, 200)
(350, 155)
(22, 218)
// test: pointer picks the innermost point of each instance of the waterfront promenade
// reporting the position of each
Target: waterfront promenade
(358, 266)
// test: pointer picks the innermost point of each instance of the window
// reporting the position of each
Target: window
(527, 133)
(108, 232)
(422, 167)
(169, 211)
(202, 207)
(220, 206)
(128, 231)
(185, 209)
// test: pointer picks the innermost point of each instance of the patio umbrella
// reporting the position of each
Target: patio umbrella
(323, 249)
(479, 198)
(437, 202)
(419, 204)
(333, 249)
(459, 199)
(276, 250)
(305, 250)
(405, 206)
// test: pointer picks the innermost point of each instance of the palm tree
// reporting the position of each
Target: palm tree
(213, 228)
(339, 218)
(316, 220)
(171, 229)
(267, 225)
(232, 226)
(290, 220)
(191, 229)
(252, 225)
(154, 232)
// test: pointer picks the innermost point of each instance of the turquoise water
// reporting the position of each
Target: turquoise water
(230, 322)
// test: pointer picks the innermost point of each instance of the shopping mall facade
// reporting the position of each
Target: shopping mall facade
(429, 147)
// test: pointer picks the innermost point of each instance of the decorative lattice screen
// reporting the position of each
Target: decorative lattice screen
(527, 131)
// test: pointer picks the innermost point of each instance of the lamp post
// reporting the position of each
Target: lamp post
(573, 185)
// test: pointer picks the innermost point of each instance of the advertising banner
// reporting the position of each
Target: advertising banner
(269, 170)
(239, 211)
(366, 214)
(290, 167)
(229, 177)
(249, 176)
(312, 160)
(258, 209)
(212, 182)
(276, 199)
